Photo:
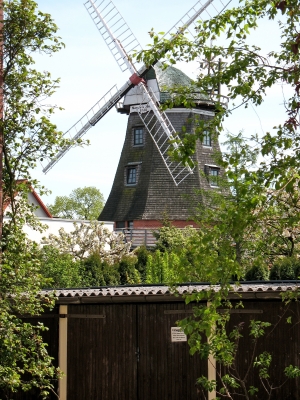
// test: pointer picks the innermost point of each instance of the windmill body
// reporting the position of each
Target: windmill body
(149, 184)
(143, 191)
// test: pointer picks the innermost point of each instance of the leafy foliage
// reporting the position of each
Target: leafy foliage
(161, 267)
(224, 341)
(247, 73)
(60, 269)
(169, 238)
(142, 258)
(83, 203)
(285, 269)
(258, 272)
(25, 363)
(90, 255)
(254, 220)
(96, 272)
(127, 270)
(28, 136)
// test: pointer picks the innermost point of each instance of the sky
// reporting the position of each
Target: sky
(87, 71)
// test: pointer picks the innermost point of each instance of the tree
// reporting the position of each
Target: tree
(60, 269)
(25, 363)
(260, 210)
(91, 238)
(83, 203)
(242, 229)
(28, 137)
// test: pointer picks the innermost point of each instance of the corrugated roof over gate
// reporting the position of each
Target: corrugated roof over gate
(148, 293)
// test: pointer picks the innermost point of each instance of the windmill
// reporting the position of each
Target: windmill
(150, 165)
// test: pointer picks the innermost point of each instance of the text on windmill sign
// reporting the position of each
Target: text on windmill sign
(141, 109)
(177, 335)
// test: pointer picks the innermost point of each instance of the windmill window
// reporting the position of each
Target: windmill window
(214, 176)
(206, 139)
(213, 173)
(138, 136)
(131, 175)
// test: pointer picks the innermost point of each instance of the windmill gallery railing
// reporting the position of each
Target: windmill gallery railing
(139, 237)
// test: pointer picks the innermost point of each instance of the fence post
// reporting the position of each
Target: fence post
(63, 351)
(211, 370)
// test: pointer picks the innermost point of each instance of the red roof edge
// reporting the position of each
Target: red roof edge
(40, 202)
(36, 196)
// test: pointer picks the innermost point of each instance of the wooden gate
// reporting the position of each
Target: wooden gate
(166, 370)
(124, 352)
(101, 352)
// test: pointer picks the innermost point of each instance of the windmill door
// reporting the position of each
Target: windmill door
(125, 352)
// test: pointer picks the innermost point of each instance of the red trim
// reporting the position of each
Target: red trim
(36, 196)
(41, 204)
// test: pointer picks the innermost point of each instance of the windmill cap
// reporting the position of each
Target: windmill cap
(172, 77)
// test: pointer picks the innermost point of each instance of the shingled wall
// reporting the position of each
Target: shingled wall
(155, 194)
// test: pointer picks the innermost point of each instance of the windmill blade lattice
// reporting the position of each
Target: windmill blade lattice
(164, 131)
(88, 121)
(114, 22)
(209, 9)
(165, 139)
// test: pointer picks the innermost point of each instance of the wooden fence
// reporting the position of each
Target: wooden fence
(139, 237)
(115, 348)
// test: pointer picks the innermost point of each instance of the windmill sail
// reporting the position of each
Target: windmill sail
(165, 134)
(210, 9)
(113, 22)
(90, 119)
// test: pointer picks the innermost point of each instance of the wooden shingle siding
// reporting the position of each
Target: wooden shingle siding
(155, 195)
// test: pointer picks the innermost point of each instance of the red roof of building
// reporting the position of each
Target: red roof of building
(36, 196)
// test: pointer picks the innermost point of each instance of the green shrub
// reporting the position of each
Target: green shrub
(95, 272)
(162, 267)
(142, 258)
(284, 269)
(297, 268)
(154, 267)
(169, 238)
(60, 268)
(275, 272)
(257, 273)
(127, 271)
